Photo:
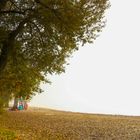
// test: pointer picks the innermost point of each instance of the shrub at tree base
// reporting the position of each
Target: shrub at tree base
(7, 135)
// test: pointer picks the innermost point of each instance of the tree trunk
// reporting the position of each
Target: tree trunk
(15, 105)
(6, 104)
(6, 47)
(8, 44)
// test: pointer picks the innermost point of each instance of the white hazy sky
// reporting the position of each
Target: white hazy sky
(103, 77)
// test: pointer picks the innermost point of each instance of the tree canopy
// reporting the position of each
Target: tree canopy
(36, 36)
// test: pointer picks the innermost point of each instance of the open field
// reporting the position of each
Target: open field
(45, 124)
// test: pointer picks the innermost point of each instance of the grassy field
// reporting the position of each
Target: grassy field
(45, 124)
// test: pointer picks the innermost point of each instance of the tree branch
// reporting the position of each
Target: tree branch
(47, 7)
(19, 28)
(42, 4)
(41, 38)
(17, 11)
(8, 44)
(12, 11)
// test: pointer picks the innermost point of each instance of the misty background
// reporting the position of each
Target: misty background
(103, 77)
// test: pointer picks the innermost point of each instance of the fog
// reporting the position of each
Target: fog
(103, 77)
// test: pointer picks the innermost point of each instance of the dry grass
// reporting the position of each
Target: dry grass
(45, 124)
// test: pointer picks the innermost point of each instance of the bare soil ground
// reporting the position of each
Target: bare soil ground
(45, 124)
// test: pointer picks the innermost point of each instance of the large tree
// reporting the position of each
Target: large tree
(45, 32)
